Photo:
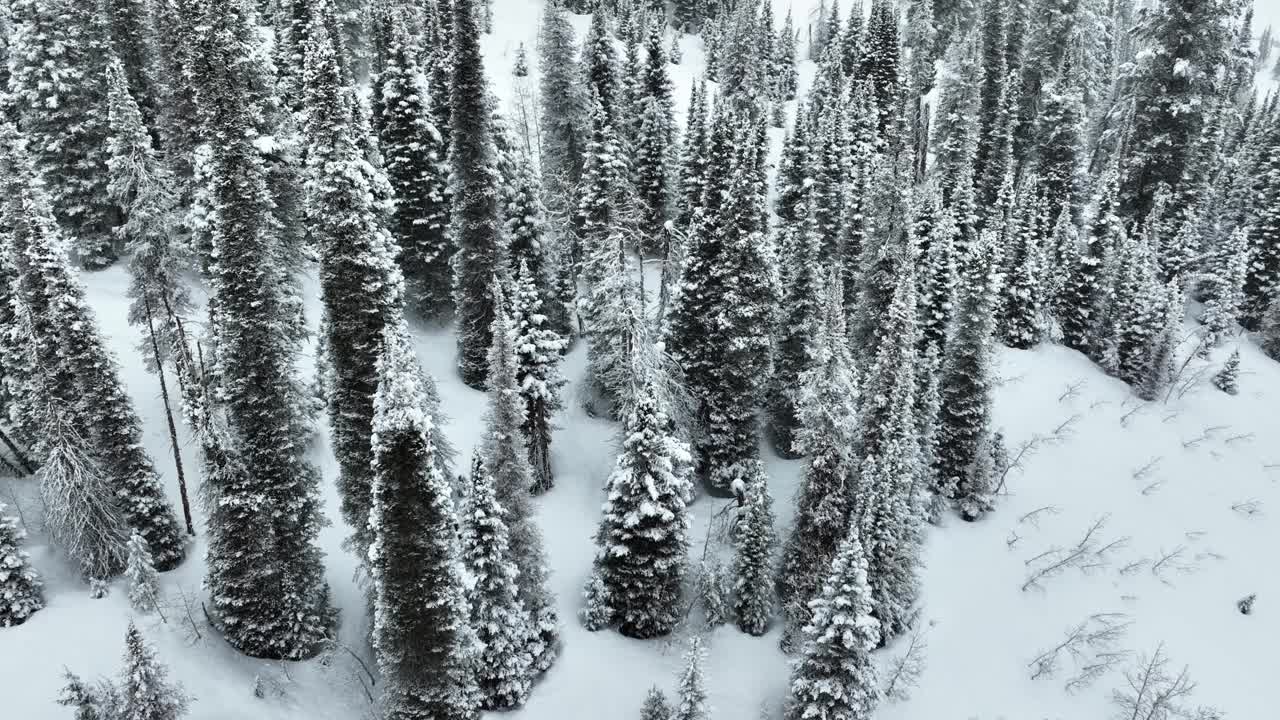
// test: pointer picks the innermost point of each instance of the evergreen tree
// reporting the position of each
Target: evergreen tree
(784, 60)
(58, 53)
(1225, 379)
(132, 41)
(360, 284)
(803, 298)
(835, 677)
(1172, 82)
(145, 689)
(1021, 297)
(967, 371)
(506, 455)
(655, 706)
(753, 564)
(828, 434)
(600, 72)
(413, 154)
(1224, 289)
(265, 574)
(500, 621)
(1081, 301)
(693, 156)
(426, 648)
(144, 583)
(880, 61)
(693, 692)
(1163, 345)
(1059, 130)
(643, 536)
(937, 295)
(538, 350)
(77, 372)
(1262, 282)
(564, 112)
(475, 217)
(21, 593)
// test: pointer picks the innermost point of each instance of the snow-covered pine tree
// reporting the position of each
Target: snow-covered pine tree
(753, 563)
(145, 690)
(600, 71)
(1162, 347)
(413, 155)
(475, 214)
(784, 60)
(1262, 284)
(20, 399)
(58, 51)
(955, 142)
(693, 157)
(655, 144)
(144, 583)
(643, 536)
(506, 454)
(265, 574)
(835, 676)
(360, 284)
(21, 592)
(655, 705)
(1224, 288)
(1225, 379)
(937, 294)
(422, 637)
(77, 373)
(528, 239)
(1020, 321)
(538, 349)
(500, 621)
(828, 433)
(1186, 48)
(967, 371)
(693, 703)
(1082, 299)
(1059, 131)
(564, 112)
(81, 514)
(879, 64)
(804, 299)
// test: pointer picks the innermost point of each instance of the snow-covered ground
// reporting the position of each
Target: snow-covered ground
(1192, 481)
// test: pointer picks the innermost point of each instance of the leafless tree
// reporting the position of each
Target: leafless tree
(1029, 447)
(1172, 562)
(904, 671)
(1072, 391)
(1090, 553)
(1152, 691)
(1092, 647)
(1248, 508)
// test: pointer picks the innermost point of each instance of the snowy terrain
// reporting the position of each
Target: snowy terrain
(1184, 488)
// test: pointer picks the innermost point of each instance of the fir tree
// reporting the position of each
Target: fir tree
(1021, 296)
(564, 112)
(265, 574)
(500, 621)
(1163, 345)
(475, 216)
(59, 51)
(880, 61)
(538, 351)
(506, 454)
(360, 284)
(643, 536)
(1059, 130)
(1225, 379)
(966, 371)
(600, 72)
(828, 411)
(753, 564)
(132, 41)
(835, 677)
(144, 584)
(413, 154)
(145, 689)
(693, 157)
(1224, 290)
(692, 691)
(422, 637)
(1262, 282)
(655, 706)
(76, 370)
(21, 592)
(784, 60)
(653, 171)
(803, 297)
(1081, 301)
(937, 295)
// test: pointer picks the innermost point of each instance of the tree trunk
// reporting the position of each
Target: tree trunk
(168, 414)
(18, 455)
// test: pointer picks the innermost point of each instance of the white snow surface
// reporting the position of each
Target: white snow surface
(1211, 451)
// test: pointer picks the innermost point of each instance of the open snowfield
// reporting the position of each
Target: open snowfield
(1183, 495)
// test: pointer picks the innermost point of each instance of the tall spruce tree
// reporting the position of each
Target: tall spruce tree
(359, 281)
(58, 83)
(967, 374)
(475, 216)
(643, 537)
(1021, 297)
(413, 155)
(506, 455)
(803, 297)
(426, 648)
(538, 350)
(145, 690)
(265, 574)
(564, 112)
(78, 373)
(753, 561)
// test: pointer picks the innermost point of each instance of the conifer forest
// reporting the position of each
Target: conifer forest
(666, 360)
